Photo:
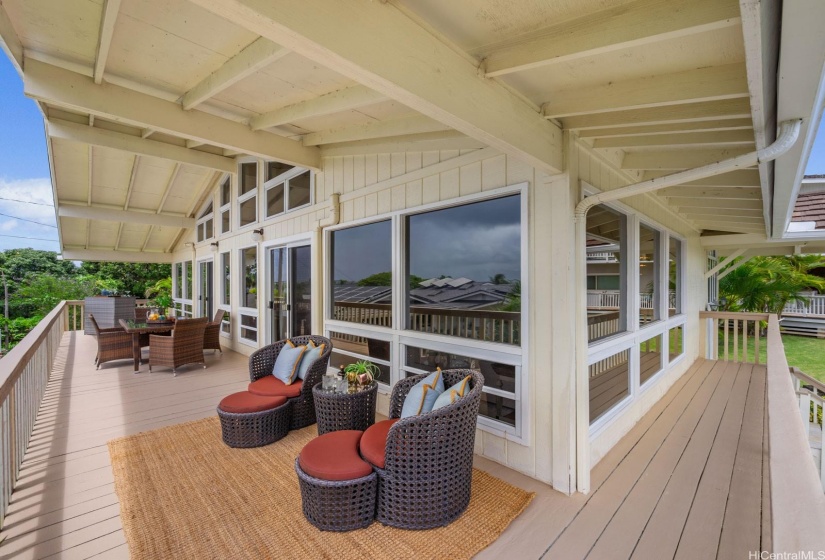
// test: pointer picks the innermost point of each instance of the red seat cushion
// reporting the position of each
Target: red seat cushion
(334, 456)
(271, 386)
(374, 442)
(248, 402)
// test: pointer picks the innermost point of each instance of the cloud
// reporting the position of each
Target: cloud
(14, 214)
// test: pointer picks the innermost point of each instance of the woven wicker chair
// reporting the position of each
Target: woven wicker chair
(185, 346)
(212, 335)
(262, 361)
(426, 479)
(112, 343)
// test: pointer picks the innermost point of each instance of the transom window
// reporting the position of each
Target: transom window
(286, 187)
(226, 205)
(205, 223)
(248, 193)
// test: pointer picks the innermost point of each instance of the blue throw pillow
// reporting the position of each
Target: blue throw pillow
(312, 353)
(286, 365)
(422, 395)
(453, 393)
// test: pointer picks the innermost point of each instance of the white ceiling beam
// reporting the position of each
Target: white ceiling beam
(724, 225)
(692, 205)
(146, 133)
(334, 102)
(91, 161)
(726, 213)
(677, 159)
(738, 178)
(673, 128)
(721, 222)
(375, 129)
(629, 25)
(132, 177)
(257, 55)
(693, 139)
(56, 86)
(670, 114)
(104, 39)
(194, 144)
(380, 47)
(431, 141)
(99, 137)
(680, 195)
(10, 41)
(105, 214)
(115, 256)
(692, 86)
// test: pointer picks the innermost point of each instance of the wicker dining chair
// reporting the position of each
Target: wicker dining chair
(184, 346)
(212, 335)
(112, 343)
(428, 471)
(262, 361)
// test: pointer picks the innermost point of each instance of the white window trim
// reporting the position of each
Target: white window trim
(203, 219)
(241, 198)
(298, 240)
(248, 311)
(284, 179)
(186, 297)
(635, 335)
(498, 352)
(224, 207)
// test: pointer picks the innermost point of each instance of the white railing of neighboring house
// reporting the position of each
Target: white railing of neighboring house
(24, 372)
(609, 299)
(815, 305)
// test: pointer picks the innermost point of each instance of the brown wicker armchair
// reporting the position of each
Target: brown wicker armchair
(185, 346)
(428, 472)
(112, 343)
(212, 335)
(262, 361)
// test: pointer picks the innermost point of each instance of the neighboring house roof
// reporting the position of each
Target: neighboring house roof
(809, 213)
(461, 293)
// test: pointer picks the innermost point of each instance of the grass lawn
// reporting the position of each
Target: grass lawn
(806, 353)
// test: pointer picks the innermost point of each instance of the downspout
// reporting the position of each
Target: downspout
(788, 133)
(332, 219)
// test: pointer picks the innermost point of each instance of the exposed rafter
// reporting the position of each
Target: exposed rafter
(677, 159)
(73, 91)
(622, 27)
(257, 55)
(107, 214)
(132, 177)
(692, 112)
(376, 129)
(73, 254)
(739, 178)
(693, 139)
(430, 141)
(751, 206)
(692, 86)
(104, 40)
(337, 101)
(10, 42)
(365, 41)
(680, 195)
(672, 128)
(118, 141)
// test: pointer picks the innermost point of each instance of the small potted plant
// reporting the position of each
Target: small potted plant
(362, 372)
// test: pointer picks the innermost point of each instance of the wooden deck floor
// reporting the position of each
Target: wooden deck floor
(665, 491)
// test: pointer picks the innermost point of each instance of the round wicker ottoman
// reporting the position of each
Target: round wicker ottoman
(249, 420)
(338, 488)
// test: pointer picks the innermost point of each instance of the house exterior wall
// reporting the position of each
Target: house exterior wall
(375, 185)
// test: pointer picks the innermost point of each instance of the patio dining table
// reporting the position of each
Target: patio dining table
(137, 328)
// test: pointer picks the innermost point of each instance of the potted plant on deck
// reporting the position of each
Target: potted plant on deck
(361, 373)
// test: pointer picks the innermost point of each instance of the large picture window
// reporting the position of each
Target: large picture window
(464, 271)
(249, 294)
(606, 256)
(362, 274)
(648, 275)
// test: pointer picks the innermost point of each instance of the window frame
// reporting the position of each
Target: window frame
(284, 179)
(181, 296)
(244, 311)
(635, 334)
(224, 207)
(203, 218)
(401, 337)
(221, 285)
(252, 194)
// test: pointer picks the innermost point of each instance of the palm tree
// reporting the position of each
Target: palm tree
(499, 279)
(766, 284)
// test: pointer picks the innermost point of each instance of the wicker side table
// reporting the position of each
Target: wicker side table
(344, 411)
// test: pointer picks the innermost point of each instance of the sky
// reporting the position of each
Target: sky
(24, 169)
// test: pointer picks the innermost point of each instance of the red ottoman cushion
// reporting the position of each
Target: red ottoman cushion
(334, 456)
(247, 402)
(271, 386)
(374, 442)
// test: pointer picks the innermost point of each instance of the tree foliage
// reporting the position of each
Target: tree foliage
(766, 284)
(127, 278)
(385, 279)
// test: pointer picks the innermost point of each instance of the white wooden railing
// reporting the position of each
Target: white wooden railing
(609, 299)
(811, 408)
(815, 305)
(24, 372)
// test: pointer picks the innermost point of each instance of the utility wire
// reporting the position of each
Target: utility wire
(27, 220)
(24, 237)
(27, 201)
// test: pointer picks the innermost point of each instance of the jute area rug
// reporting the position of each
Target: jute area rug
(184, 494)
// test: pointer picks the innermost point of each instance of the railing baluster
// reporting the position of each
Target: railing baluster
(725, 321)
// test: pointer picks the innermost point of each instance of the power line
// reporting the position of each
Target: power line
(27, 201)
(24, 237)
(26, 220)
